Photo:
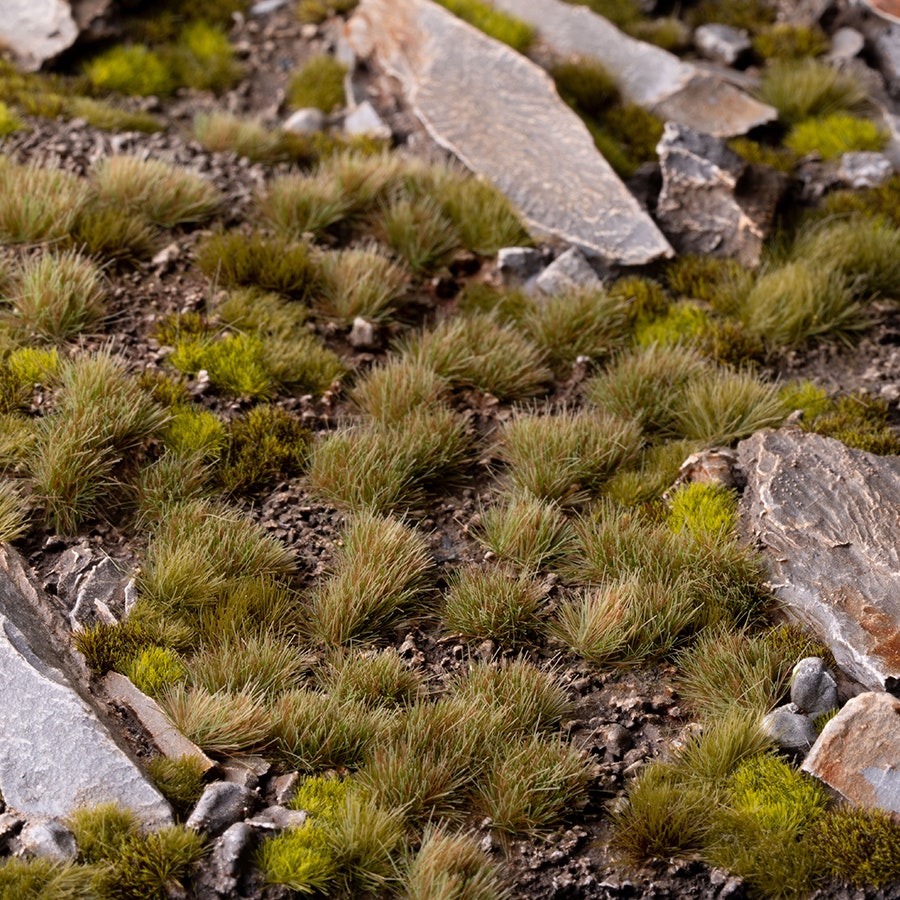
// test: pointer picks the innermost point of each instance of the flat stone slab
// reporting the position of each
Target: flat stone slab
(828, 520)
(55, 752)
(647, 75)
(500, 115)
(37, 30)
(858, 750)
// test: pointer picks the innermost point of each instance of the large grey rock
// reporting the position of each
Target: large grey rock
(48, 839)
(230, 858)
(828, 521)
(220, 806)
(647, 75)
(501, 115)
(858, 750)
(713, 201)
(55, 752)
(37, 30)
(885, 42)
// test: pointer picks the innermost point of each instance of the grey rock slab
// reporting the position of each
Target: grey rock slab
(44, 837)
(37, 30)
(278, 818)
(230, 857)
(846, 43)
(570, 270)
(500, 115)
(647, 75)
(167, 738)
(885, 42)
(283, 787)
(713, 201)
(305, 121)
(518, 263)
(789, 728)
(221, 805)
(813, 687)
(865, 169)
(722, 43)
(828, 521)
(858, 750)
(56, 753)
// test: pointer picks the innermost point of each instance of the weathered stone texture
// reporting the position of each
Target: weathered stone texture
(36, 30)
(646, 75)
(858, 750)
(828, 520)
(500, 114)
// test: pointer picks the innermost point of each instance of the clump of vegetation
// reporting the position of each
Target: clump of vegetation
(419, 231)
(804, 88)
(710, 279)
(9, 121)
(492, 603)
(265, 444)
(497, 24)
(380, 575)
(57, 296)
(358, 282)
(651, 476)
(38, 204)
(113, 235)
(479, 352)
(861, 846)
(882, 202)
(374, 678)
(15, 515)
(800, 300)
(834, 135)
(154, 669)
(319, 84)
(859, 421)
(526, 531)
(109, 648)
(707, 511)
(130, 69)
(180, 781)
(203, 58)
(165, 194)
(749, 15)
(390, 467)
(235, 364)
(234, 259)
(566, 457)
(220, 132)
(787, 40)
(394, 390)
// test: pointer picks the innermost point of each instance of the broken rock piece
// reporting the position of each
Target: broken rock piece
(827, 519)
(37, 30)
(646, 75)
(857, 752)
(500, 114)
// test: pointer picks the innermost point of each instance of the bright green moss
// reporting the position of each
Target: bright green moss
(707, 511)
(319, 84)
(787, 40)
(861, 846)
(180, 781)
(111, 647)
(193, 431)
(204, 58)
(9, 121)
(154, 669)
(805, 396)
(321, 796)
(682, 323)
(859, 421)
(131, 69)
(780, 158)
(835, 134)
(236, 364)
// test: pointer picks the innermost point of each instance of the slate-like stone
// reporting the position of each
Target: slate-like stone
(722, 43)
(858, 750)
(305, 121)
(500, 114)
(37, 30)
(55, 752)
(865, 169)
(647, 75)
(713, 201)
(828, 521)
(167, 738)
(220, 806)
(569, 271)
(49, 839)
(517, 264)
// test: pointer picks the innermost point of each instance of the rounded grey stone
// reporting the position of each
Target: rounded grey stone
(48, 839)
(789, 728)
(305, 121)
(813, 686)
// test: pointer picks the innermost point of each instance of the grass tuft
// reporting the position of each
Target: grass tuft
(180, 781)
(834, 135)
(395, 389)
(419, 232)
(373, 678)
(802, 88)
(380, 573)
(358, 282)
(319, 84)
(526, 531)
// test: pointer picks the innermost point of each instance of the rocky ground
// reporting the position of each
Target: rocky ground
(621, 719)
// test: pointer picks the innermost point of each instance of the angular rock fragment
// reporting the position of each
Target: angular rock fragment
(813, 687)
(37, 30)
(828, 522)
(220, 806)
(570, 270)
(48, 839)
(713, 201)
(865, 169)
(722, 43)
(501, 115)
(647, 75)
(55, 752)
(789, 728)
(858, 750)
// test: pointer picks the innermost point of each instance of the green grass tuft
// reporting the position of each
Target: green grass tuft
(787, 40)
(834, 135)
(374, 678)
(380, 575)
(803, 88)
(496, 24)
(707, 511)
(358, 282)
(181, 781)
(419, 232)
(395, 389)
(155, 669)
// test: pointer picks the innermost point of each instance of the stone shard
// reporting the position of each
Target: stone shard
(568, 272)
(713, 201)
(828, 521)
(500, 114)
(722, 43)
(37, 30)
(857, 752)
(647, 75)
(56, 753)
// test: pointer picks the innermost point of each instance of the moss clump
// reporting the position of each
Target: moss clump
(780, 158)
(710, 279)
(499, 25)
(9, 121)
(265, 444)
(859, 421)
(203, 58)
(154, 669)
(747, 14)
(180, 781)
(319, 84)
(861, 846)
(880, 202)
(193, 432)
(835, 134)
(707, 511)
(235, 364)
(131, 69)
(786, 40)
(585, 84)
